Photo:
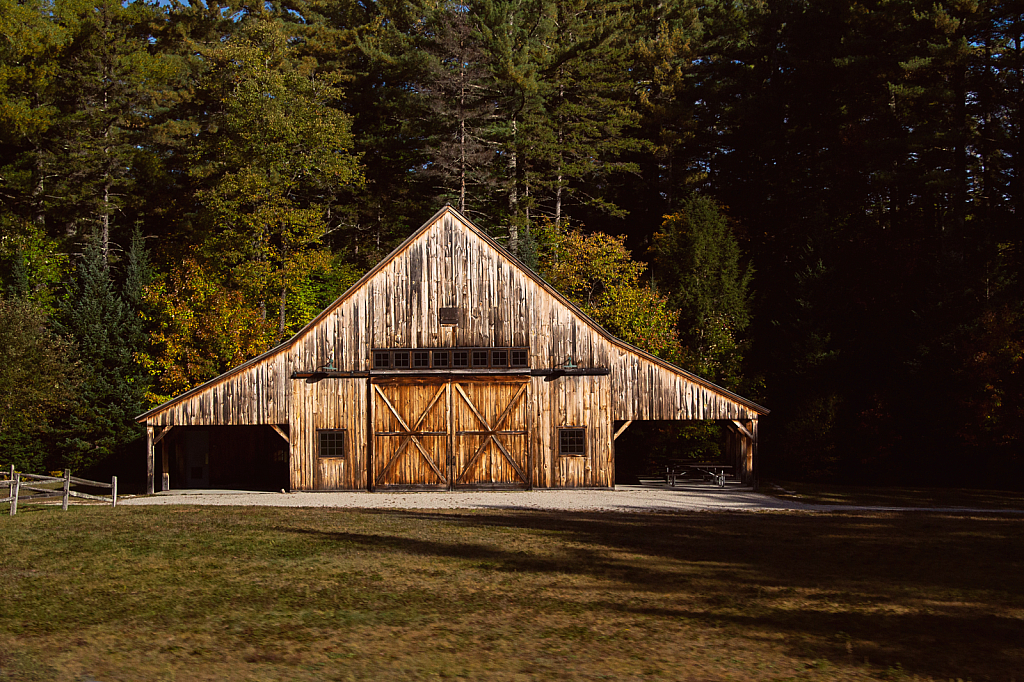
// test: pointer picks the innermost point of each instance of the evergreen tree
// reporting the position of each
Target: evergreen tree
(274, 158)
(580, 142)
(107, 80)
(105, 328)
(699, 262)
(461, 102)
(512, 34)
(32, 41)
(377, 48)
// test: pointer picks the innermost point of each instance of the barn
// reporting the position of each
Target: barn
(448, 366)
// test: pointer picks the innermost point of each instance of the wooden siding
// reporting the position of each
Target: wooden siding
(448, 263)
(258, 394)
(328, 404)
(578, 401)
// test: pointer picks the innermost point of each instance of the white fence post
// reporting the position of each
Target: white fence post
(113, 490)
(16, 490)
(67, 489)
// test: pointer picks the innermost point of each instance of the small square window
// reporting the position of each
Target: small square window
(479, 358)
(520, 357)
(401, 358)
(332, 443)
(460, 358)
(421, 358)
(571, 443)
(448, 317)
(440, 358)
(381, 359)
(499, 358)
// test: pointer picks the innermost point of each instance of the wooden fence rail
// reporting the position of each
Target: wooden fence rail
(17, 481)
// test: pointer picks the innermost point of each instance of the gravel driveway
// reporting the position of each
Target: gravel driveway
(624, 498)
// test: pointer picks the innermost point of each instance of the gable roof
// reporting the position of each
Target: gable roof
(447, 209)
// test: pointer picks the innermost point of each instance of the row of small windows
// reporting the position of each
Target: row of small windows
(571, 443)
(451, 358)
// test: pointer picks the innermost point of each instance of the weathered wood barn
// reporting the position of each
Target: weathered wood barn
(449, 365)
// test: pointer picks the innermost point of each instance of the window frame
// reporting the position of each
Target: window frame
(341, 443)
(583, 441)
(513, 352)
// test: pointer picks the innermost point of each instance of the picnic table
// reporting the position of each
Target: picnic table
(712, 471)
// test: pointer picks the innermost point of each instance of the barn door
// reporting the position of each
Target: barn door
(410, 433)
(490, 447)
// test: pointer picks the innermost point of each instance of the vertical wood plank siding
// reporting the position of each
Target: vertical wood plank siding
(448, 264)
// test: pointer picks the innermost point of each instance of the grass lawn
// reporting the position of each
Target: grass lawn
(192, 593)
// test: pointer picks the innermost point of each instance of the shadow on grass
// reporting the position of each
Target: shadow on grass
(926, 594)
(941, 646)
(880, 496)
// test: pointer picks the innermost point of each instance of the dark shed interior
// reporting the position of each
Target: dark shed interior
(226, 457)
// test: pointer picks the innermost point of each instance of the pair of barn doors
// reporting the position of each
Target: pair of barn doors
(446, 434)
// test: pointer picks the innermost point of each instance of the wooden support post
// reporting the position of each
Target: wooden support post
(621, 429)
(17, 489)
(754, 464)
(113, 490)
(149, 460)
(67, 489)
(165, 478)
(742, 429)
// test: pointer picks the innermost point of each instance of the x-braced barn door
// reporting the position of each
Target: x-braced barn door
(435, 434)
(410, 433)
(489, 433)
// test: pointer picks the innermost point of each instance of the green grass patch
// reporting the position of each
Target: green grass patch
(193, 593)
(878, 496)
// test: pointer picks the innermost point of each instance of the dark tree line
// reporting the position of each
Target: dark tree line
(828, 196)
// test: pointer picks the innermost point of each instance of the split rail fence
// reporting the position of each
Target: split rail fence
(43, 488)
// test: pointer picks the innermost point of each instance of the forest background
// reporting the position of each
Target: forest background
(814, 203)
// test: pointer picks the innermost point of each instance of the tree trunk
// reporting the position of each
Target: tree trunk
(513, 194)
(462, 130)
(105, 224)
(281, 311)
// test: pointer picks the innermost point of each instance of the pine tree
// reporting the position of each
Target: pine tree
(275, 156)
(460, 99)
(586, 130)
(107, 86)
(391, 124)
(32, 41)
(512, 34)
(699, 262)
(107, 333)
